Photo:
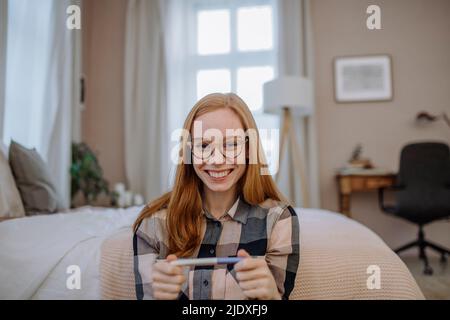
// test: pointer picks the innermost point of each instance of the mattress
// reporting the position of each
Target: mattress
(40, 254)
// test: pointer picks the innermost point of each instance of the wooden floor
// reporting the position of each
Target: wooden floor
(436, 286)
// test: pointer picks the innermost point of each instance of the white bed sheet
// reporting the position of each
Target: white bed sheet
(35, 252)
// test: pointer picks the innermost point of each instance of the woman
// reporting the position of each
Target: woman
(222, 205)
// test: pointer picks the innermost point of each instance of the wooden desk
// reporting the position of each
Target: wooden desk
(348, 184)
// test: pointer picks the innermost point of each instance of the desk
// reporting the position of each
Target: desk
(350, 183)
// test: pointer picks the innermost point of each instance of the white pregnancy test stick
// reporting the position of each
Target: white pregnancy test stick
(206, 261)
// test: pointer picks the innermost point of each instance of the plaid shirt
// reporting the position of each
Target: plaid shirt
(269, 231)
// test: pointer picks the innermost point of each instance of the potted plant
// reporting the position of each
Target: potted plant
(87, 175)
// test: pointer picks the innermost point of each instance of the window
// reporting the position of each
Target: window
(232, 48)
(28, 58)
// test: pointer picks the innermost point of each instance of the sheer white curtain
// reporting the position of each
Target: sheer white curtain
(295, 58)
(3, 41)
(146, 112)
(39, 93)
(179, 103)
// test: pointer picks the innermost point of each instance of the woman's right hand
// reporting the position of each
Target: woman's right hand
(167, 279)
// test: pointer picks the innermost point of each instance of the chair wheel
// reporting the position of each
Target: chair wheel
(428, 271)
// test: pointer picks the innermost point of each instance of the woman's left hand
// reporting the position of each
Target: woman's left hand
(255, 278)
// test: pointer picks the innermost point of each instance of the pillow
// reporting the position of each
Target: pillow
(32, 175)
(10, 202)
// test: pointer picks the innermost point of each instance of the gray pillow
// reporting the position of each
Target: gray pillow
(10, 202)
(33, 180)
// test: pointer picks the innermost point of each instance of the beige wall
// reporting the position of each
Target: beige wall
(103, 56)
(416, 33)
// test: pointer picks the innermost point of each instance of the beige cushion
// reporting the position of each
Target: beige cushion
(33, 180)
(335, 253)
(10, 202)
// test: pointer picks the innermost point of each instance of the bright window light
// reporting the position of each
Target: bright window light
(213, 27)
(28, 59)
(255, 28)
(210, 81)
(250, 82)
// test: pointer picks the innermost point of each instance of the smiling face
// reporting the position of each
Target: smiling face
(219, 168)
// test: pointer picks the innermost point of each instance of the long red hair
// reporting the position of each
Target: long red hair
(183, 204)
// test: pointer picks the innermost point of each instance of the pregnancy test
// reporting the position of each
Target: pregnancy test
(206, 261)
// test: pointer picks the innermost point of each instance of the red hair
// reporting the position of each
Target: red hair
(183, 204)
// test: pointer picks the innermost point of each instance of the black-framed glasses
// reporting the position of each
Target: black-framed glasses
(230, 148)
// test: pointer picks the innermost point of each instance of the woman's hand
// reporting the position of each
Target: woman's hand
(167, 279)
(255, 278)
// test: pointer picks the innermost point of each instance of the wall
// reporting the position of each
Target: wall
(416, 34)
(103, 56)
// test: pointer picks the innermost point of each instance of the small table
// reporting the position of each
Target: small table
(350, 183)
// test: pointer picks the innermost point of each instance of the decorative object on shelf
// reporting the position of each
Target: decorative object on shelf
(424, 117)
(126, 198)
(87, 175)
(357, 165)
(356, 153)
(363, 78)
(356, 161)
(290, 96)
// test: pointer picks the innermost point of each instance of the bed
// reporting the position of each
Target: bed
(36, 252)
(36, 255)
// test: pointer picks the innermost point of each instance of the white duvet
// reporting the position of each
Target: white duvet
(36, 252)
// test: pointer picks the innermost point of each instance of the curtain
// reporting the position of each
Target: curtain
(64, 95)
(3, 41)
(145, 107)
(40, 76)
(179, 101)
(77, 70)
(295, 58)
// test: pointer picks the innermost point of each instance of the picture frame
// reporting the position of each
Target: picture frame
(363, 78)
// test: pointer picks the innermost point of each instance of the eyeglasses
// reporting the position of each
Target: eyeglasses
(230, 148)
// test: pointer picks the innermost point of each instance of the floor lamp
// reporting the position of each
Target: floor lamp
(290, 97)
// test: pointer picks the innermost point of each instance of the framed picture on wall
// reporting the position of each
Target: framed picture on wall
(363, 78)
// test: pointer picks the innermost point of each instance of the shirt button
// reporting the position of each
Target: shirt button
(211, 251)
(205, 282)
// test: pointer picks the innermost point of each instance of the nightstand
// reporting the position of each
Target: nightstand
(351, 183)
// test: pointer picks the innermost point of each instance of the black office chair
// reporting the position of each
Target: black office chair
(422, 192)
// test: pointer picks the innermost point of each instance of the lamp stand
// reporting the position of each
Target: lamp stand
(288, 137)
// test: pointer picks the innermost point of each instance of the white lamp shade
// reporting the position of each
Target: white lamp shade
(295, 93)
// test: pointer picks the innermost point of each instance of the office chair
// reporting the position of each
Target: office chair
(422, 193)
